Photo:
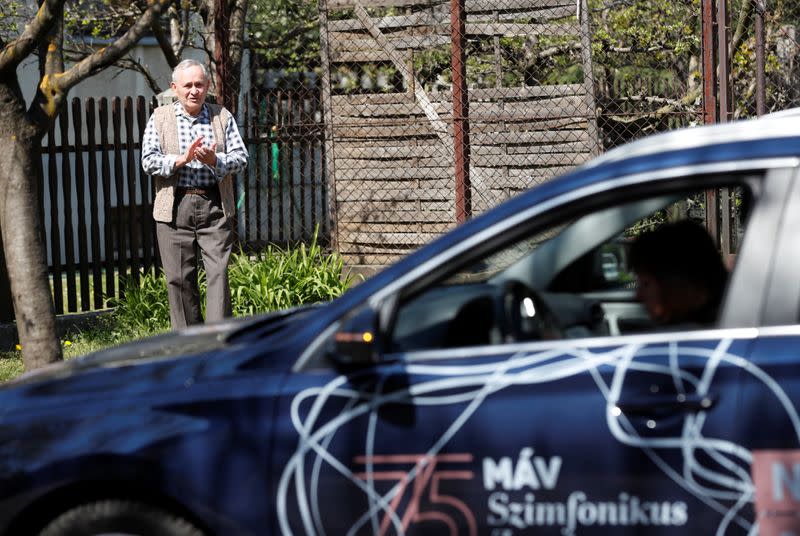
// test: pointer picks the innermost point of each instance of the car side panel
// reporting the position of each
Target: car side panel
(510, 441)
(770, 421)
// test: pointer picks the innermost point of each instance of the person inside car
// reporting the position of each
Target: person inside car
(681, 276)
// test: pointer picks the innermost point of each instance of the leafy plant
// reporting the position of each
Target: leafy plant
(144, 307)
(270, 280)
(279, 278)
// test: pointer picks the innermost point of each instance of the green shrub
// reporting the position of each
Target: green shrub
(277, 278)
(269, 280)
(143, 309)
(272, 279)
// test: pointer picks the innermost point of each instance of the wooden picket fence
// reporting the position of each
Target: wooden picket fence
(95, 201)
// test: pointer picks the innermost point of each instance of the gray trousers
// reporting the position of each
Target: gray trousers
(198, 224)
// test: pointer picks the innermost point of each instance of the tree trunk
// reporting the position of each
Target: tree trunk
(22, 233)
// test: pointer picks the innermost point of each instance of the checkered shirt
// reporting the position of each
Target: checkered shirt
(195, 174)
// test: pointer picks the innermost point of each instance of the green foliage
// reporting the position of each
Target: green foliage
(271, 280)
(12, 18)
(285, 33)
(279, 278)
(656, 29)
(144, 307)
(657, 37)
(658, 40)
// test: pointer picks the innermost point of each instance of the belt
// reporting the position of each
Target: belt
(197, 191)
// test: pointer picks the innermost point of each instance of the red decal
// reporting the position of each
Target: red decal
(425, 488)
(776, 475)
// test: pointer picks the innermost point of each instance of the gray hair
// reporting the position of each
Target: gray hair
(186, 64)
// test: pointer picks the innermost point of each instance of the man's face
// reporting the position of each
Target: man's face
(670, 301)
(191, 88)
(650, 293)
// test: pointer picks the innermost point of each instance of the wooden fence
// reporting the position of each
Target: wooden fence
(391, 150)
(96, 203)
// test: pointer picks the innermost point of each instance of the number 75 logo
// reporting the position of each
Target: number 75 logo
(414, 490)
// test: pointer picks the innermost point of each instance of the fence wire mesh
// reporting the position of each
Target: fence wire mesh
(380, 124)
(420, 114)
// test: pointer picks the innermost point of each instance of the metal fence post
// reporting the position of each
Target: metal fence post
(460, 111)
(724, 217)
(761, 85)
(710, 110)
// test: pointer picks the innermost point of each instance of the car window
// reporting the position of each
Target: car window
(578, 278)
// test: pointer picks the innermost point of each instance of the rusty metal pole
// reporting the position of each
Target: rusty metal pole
(725, 115)
(723, 60)
(460, 111)
(709, 68)
(761, 84)
(709, 98)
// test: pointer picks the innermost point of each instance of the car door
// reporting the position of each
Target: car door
(468, 431)
(770, 419)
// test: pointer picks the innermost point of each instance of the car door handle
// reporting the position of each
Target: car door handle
(668, 404)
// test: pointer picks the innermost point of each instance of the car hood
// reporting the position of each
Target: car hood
(192, 341)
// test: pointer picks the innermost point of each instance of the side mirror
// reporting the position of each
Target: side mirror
(356, 342)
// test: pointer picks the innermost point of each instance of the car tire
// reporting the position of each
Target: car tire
(120, 518)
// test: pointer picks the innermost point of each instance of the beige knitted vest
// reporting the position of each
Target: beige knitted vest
(167, 127)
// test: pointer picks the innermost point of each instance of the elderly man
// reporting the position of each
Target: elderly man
(193, 149)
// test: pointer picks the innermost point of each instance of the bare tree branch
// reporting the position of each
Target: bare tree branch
(164, 44)
(178, 28)
(105, 57)
(558, 50)
(18, 49)
(626, 50)
(291, 34)
(135, 65)
(669, 106)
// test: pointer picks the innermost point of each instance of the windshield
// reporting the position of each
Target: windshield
(539, 258)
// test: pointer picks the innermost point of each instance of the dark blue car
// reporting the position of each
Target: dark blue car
(505, 379)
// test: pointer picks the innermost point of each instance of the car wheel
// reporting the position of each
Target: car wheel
(119, 518)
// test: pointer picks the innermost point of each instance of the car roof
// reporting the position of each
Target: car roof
(781, 124)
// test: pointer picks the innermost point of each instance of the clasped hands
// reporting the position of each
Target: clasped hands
(201, 153)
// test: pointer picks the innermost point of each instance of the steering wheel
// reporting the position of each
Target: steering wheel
(522, 315)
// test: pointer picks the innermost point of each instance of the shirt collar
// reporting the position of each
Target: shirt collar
(179, 110)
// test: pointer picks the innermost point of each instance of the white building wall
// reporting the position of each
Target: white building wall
(113, 81)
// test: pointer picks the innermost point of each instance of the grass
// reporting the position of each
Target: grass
(100, 336)
(90, 284)
(10, 365)
(269, 280)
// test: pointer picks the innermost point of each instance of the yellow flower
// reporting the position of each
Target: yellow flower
(67, 343)
(19, 347)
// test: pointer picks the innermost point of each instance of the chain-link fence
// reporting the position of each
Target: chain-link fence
(422, 114)
(380, 124)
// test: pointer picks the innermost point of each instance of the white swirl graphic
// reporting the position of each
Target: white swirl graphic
(726, 487)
